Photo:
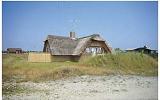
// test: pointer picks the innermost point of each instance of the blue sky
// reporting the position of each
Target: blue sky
(122, 24)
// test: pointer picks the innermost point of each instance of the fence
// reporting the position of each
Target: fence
(39, 57)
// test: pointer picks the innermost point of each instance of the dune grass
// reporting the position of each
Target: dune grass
(16, 68)
(126, 63)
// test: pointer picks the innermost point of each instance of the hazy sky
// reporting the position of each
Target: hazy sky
(122, 24)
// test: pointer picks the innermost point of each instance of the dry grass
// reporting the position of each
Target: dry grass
(126, 63)
(16, 68)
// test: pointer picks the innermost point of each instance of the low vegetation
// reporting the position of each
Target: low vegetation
(126, 63)
(16, 68)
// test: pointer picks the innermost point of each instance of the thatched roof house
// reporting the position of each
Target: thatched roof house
(71, 48)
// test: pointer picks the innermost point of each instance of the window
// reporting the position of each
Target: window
(94, 50)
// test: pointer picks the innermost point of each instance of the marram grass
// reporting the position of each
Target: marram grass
(128, 63)
(17, 68)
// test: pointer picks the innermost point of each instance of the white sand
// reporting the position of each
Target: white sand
(91, 88)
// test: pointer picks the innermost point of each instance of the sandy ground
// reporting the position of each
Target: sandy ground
(90, 88)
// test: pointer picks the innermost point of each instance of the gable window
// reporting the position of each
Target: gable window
(94, 50)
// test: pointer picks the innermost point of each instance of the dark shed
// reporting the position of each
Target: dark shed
(14, 50)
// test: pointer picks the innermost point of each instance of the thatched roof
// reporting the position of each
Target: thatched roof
(60, 45)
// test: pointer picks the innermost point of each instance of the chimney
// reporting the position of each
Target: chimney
(72, 35)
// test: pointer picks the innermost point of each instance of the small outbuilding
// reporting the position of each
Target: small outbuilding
(72, 49)
(14, 50)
